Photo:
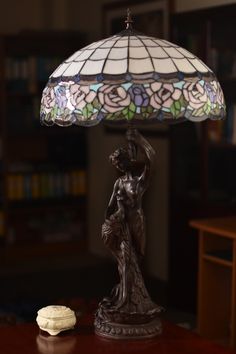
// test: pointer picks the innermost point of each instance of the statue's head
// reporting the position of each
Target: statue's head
(121, 159)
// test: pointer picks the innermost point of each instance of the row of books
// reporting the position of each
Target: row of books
(224, 131)
(24, 73)
(46, 185)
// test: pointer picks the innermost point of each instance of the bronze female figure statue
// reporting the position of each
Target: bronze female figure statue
(129, 311)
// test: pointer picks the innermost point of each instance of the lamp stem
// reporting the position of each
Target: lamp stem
(129, 20)
(132, 147)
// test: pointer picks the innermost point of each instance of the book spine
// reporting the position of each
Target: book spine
(44, 185)
(35, 186)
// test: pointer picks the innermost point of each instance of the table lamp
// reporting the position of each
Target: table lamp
(129, 80)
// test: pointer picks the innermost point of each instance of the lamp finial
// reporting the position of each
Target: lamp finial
(129, 20)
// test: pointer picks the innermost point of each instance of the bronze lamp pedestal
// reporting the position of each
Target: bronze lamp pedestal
(129, 311)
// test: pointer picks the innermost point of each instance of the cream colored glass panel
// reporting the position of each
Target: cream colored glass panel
(100, 54)
(73, 69)
(108, 44)
(84, 55)
(186, 53)
(60, 70)
(184, 66)
(138, 52)
(140, 66)
(115, 67)
(169, 44)
(157, 52)
(73, 56)
(164, 66)
(160, 42)
(118, 53)
(96, 45)
(173, 52)
(92, 67)
(199, 65)
(149, 43)
(122, 42)
(135, 43)
(142, 36)
(87, 47)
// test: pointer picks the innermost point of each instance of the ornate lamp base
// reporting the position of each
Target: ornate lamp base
(129, 312)
(127, 331)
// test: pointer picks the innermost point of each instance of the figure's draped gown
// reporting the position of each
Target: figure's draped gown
(123, 232)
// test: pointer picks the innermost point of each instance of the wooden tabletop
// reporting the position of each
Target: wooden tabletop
(28, 339)
(220, 226)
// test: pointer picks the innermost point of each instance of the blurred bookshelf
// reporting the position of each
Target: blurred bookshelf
(43, 170)
(203, 155)
(210, 36)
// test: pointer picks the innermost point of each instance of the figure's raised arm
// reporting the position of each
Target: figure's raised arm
(138, 141)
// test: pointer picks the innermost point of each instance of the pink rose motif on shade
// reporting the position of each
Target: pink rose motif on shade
(113, 98)
(81, 95)
(195, 95)
(163, 95)
(48, 99)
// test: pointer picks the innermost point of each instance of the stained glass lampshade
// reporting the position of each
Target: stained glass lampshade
(126, 79)
(131, 77)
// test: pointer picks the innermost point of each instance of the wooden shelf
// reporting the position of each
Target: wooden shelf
(208, 170)
(217, 260)
(225, 227)
(46, 204)
(216, 278)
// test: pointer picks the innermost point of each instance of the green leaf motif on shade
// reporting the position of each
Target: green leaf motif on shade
(129, 111)
(146, 111)
(109, 116)
(207, 107)
(216, 110)
(175, 108)
(198, 112)
(54, 111)
(149, 109)
(132, 107)
(182, 101)
(113, 116)
(88, 110)
(177, 105)
(96, 103)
